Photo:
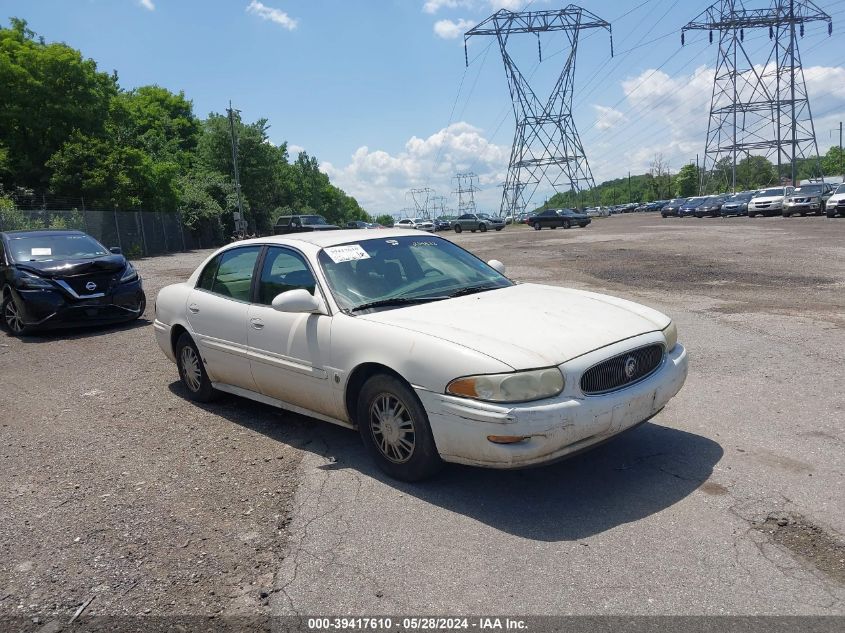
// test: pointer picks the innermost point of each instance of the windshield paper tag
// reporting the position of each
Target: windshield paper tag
(41, 251)
(348, 253)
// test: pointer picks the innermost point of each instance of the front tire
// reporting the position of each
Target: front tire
(482, 228)
(192, 370)
(12, 317)
(566, 224)
(395, 430)
(458, 228)
(536, 226)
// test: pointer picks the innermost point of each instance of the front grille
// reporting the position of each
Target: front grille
(622, 370)
(102, 281)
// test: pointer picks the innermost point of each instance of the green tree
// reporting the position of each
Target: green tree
(385, 219)
(754, 172)
(833, 162)
(49, 92)
(686, 181)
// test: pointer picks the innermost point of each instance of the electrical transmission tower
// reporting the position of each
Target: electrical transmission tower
(759, 109)
(465, 188)
(421, 199)
(437, 206)
(546, 146)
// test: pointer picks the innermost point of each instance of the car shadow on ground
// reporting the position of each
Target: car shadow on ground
(639, 473)
(80, 332)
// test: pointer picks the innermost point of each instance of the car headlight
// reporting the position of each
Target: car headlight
(28, 281)
(671, 334)
(129, 274)
(520, 386)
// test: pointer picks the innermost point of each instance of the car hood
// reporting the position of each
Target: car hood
(528, 325)
(836, 198)
(74, 267)
(767, 199)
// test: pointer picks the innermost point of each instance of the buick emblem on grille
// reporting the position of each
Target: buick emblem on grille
(630, 367)
(91, 286)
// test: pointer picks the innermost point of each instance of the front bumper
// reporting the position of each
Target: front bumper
(50, 309)
(555, 427)
(802, 207)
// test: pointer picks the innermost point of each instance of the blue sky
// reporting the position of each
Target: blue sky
(378, 90)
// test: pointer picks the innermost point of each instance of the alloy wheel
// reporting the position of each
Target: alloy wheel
(392, 428)
(191, 371)
(13, 317)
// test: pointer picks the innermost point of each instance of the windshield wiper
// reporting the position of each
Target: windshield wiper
(471, 290)
(395, 301)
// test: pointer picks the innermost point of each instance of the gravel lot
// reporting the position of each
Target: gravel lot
(732, 500)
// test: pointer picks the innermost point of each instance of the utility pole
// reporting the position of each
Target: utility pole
(629, 186)
(240, 224)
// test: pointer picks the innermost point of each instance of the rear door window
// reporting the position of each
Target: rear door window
(233, 277)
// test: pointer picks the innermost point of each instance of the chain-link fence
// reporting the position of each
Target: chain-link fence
(137, 233)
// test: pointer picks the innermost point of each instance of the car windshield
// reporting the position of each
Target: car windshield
(403, 270)
(565, 212)
(45, 248)
(808, 189)
(313, 219)
(741, 197)
(777, 191)
(841, 188)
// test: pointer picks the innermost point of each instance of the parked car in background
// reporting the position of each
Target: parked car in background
(736, 204)
(51, 279)
(556, 218)
(415, 223)
(768, 202)
(321, 324)
(836, 203)
(807, 199)
(711, 207)
(360, 224)
(670, 209)
(687, 209)
(302, 224)
(477, 222)
(442, 224)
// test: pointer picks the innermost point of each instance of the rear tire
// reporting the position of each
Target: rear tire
(395, 430)
(482, 228)
(566, 224)
(192, 370)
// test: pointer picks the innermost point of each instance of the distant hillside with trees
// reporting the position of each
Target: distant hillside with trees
(70, 134)
(659, 183)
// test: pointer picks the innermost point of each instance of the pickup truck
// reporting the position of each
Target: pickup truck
(302, 224)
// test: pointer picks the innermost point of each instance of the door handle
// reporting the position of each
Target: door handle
(257, 324)
(194, 308)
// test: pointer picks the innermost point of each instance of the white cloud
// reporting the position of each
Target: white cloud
(433, 6)
(380, 180)
(294, 150)
(607, 117)
(273, 15)
(147, 4)
(449, 30)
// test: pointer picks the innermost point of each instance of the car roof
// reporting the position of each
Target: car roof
(33, 233)
(323, 239)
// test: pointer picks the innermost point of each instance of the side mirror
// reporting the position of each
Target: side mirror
(496, 265)
(116, 250)
(298, 301)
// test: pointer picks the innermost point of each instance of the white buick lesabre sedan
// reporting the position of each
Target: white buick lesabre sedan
(432, 354)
